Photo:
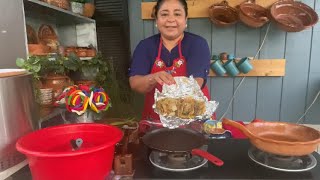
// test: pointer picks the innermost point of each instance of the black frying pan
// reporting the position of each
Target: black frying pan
(178, 141)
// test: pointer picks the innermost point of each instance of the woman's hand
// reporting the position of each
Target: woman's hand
(162, 77)
(144, 84)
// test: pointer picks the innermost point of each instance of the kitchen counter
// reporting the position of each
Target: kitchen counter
(237, 165)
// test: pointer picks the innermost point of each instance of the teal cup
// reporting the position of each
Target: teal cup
(231, 68)
(218, 68)
(230, 56)
(244, 65)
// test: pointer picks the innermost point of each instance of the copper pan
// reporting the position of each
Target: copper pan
(280, 138)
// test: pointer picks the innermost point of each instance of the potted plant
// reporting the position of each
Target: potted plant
(54, 74)
(91, 71)
(104, 73)
(49, 72)
(77, 6)
(33, 66)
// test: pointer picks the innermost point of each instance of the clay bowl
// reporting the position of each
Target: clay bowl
(223, 15)
(253, 15)
(91, 52)
(81, 52)
(311, 18)
(69, 50)
(38, 49)
(293, 16)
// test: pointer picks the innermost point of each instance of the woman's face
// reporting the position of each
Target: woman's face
(171, 19)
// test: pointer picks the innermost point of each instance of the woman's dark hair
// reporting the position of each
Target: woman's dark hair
(160, 2)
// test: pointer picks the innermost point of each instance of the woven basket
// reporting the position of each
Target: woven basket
(46, 96)
(64, 4)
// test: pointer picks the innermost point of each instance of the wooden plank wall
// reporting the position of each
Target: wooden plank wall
(199, 8)
(271, 98)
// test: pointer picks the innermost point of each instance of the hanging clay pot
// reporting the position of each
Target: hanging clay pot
(222, 14)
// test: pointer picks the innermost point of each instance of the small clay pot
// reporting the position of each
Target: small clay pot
(81, 52)
(69, 50)
(52, 44)
(38, 49)
(224, 56)
(91, 52)
(88, 10)
(56, 82)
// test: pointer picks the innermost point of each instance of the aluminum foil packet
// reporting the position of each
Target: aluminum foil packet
(182, 103)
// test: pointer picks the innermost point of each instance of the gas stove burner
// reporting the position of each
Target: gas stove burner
(282, 163)
(177, 162)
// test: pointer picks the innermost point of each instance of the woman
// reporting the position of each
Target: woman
(172, 52)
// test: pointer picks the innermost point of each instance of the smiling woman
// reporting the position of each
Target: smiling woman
(171, 19)
(172, 52)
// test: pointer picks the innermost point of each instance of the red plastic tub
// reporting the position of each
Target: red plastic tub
(51, 157)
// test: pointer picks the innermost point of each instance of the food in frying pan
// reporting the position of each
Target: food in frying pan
(184, 108)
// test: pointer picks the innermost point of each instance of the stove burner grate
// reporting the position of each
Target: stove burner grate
(282, 163)
(177, 162)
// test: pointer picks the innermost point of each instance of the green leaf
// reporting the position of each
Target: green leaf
(20, 62)
(36, 68)
(36, 61)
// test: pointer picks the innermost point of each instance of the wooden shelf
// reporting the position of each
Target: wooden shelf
(263, 67)
(199, 8)
(63, 16)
